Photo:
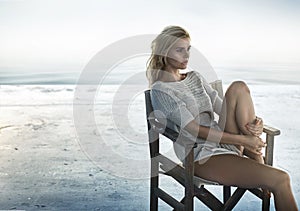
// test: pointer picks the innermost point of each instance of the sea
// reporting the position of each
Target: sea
(134, 68)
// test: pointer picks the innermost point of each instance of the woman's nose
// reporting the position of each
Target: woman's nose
(186, 54)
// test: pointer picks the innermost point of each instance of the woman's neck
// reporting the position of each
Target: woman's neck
(171, 76)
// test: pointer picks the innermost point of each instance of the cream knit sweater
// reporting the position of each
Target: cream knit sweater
(183, 101)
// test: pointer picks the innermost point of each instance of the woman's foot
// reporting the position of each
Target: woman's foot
(259, 159)
(256, 157)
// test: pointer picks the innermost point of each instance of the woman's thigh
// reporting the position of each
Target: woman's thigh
(238, 171)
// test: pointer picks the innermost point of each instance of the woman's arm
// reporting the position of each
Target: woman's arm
(251, 143)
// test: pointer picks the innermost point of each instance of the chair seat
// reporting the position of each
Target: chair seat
(198, 181)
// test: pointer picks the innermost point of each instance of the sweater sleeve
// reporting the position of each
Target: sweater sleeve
(171, 106)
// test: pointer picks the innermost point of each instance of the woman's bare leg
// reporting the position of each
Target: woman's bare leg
(237, 111)
(243, 172)
(237, 108)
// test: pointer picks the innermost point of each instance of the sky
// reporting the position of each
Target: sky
(52, 35)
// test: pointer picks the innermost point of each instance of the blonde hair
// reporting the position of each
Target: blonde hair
(160, 47)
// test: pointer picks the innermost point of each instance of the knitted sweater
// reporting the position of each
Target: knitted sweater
(186, 100)
(183, 101)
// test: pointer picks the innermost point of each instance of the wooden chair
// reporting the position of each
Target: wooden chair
(194, 186)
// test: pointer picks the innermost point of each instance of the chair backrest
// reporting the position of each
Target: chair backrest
(152, 134)
(218, 86)
(149, 108)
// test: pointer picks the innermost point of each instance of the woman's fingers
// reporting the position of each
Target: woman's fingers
(261, 143)
(255, 128)
(254, 131)
(258, 120)
(255, 144)
(255, 151)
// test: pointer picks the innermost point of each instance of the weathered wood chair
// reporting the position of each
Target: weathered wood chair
(194, 186)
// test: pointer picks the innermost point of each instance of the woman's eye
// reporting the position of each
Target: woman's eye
(181, 50)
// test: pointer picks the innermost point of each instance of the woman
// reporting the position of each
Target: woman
(189, 103)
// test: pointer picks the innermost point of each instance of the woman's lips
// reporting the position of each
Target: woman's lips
(185, 62)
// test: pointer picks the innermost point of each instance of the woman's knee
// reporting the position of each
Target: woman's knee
(237, 87)
(284, 178)
(280, 180)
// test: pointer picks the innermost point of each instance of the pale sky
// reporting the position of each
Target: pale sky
(46, 34)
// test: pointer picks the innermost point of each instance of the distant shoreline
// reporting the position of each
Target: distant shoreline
(279, 75)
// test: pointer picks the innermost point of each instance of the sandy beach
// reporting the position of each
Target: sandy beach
(45, 165)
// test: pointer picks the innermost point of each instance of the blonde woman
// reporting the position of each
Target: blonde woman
(189, 103)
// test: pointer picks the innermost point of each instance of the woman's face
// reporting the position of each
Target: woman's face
(179, 54)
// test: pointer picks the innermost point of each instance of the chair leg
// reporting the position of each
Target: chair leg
(226, 193)
(189, 174)
(266, 200)
(153, 196)
(154, 176)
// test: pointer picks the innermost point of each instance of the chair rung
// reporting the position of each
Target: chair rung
(208, 198)
(234, 199)
(168, 199)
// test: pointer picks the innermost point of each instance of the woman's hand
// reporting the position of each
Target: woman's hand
(256, 128)
(254, 144)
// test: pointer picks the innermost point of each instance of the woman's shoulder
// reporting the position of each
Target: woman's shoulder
(160, 88)
(157, 85)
